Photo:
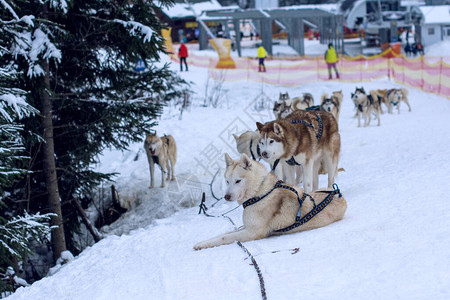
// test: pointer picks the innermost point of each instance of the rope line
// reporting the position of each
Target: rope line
(252, 258)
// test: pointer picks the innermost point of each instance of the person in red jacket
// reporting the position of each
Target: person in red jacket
(182, 54)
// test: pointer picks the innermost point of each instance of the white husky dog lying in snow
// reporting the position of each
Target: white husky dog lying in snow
(271, 206)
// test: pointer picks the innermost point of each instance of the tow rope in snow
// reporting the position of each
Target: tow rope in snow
(255, 265)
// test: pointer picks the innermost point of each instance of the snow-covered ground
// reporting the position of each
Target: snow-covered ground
(393, 243)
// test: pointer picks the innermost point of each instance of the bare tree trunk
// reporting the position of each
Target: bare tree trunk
(48, 149)
(87, 223)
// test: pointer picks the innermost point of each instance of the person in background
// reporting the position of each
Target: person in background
(262, 54)
(182, 54)
(331, 58)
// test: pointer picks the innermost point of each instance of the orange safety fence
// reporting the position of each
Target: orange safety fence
(431, 74)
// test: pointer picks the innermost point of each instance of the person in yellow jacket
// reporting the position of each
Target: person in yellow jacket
(331, 58)
(262, 54)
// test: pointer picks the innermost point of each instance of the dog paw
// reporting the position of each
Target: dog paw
(201, 245)
(173, 178)
(151, 186)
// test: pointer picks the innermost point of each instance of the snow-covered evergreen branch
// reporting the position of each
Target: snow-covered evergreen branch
(16, 233)
(137, 29)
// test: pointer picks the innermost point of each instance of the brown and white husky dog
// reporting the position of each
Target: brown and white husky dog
(303, 138)
(163, 152)
(332, 104)
(366, 104)
(393, 97)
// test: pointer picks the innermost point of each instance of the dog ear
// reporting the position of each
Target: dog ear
(277, 129)
(246, 162)
(259, 126)
(235, 137)
(228, 160)
(324, 96)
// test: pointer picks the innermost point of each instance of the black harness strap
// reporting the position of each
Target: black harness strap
(253, 200)
(275, 164)
(251, 151)
(292, 162)
(278, 184)
(258, 150)
(317, 209)
(319, 120)
(313, 108)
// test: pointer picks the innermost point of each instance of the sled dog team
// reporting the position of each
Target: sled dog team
(366, 103)
(302, 142)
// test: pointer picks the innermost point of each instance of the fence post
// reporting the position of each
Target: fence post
(389, 68)
(317, 65)
(421, 72)
(363, 59)
(440, 76)
(403, 70)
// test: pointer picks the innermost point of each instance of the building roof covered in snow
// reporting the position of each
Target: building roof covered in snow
(436, 14)
(183, 10)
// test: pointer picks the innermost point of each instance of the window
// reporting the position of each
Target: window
(431, 31)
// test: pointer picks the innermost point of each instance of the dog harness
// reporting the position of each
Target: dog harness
(298, 219)
(258, 150)
(319, 120)
(392, 102)
(292, 162)
(313, 108)
(278, 184)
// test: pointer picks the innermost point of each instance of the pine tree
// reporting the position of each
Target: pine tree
(82, 57)
(16, 232)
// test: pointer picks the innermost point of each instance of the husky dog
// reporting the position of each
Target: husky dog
(303, 138)
(393, 97)
(272, 207)
(365, 104)
(162, 151)
(304, 102)
(248, 143)
(282, 107)
(332, 104)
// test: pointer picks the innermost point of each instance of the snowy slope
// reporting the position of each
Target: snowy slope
(393, 243)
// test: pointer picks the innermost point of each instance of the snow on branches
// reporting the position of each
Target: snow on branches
(16, 233)
(137, 29)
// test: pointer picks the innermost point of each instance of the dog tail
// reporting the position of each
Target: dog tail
(174, 149)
